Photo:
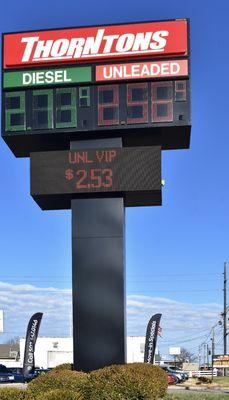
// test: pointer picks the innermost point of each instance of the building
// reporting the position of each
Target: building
(221, 363)
(9, 355)
(51, 352)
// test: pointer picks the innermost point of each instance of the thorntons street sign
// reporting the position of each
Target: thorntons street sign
(93, 107)
(95, 43)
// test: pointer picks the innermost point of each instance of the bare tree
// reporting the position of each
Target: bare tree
(186, 356)
(13, 340)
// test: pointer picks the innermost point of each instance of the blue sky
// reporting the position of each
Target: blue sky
(174, 253)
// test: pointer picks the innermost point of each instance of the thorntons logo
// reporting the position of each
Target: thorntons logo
(100, 45)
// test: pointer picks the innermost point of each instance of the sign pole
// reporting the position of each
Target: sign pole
(98, 282)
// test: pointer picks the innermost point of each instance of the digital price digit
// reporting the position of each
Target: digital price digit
(96, 178)
(108, 175)
(82, 174)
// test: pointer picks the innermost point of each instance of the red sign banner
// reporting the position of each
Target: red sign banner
(90, 44)
(143, 70)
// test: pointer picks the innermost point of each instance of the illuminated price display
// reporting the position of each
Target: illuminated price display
(97, 178)
(134, 173)
(66, 112)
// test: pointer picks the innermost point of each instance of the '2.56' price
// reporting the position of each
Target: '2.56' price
(95, 178)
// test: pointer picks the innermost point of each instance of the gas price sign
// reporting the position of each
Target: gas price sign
(134, 173)
(68, 84)
(65, 91)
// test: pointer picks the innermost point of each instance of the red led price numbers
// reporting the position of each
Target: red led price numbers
(95, 178)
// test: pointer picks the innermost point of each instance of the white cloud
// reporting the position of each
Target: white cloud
(19, 302)
(180, 321)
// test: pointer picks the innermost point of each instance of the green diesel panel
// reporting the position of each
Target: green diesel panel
(46, 77)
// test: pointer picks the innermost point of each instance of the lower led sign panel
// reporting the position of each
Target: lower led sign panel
(133, 173)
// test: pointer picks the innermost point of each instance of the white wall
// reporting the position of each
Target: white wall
(10, 363)
(54, 351)
(45, 351)
(135, 348)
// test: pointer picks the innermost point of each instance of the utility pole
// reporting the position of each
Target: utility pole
(213, 347)
(213, 343)
(199, 354)
(204, 347)
(207, 355)
(225, 309)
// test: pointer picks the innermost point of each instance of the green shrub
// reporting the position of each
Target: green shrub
(60, 394)
(14, 394)
(63, 379)
(126, 382)
(61, 367)
(117, 382)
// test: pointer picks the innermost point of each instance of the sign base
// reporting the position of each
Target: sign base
(98, 283)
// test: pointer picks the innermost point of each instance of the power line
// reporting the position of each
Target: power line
(132, 274)
(129, 280)
(219, 342)
(179, 274)
(185, 340)
(48, 290)
(175, 291)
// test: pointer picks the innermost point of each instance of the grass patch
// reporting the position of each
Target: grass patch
(196, 396)
(217, 381)
(222, 381)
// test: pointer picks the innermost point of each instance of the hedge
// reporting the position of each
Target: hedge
(63, 367)
(14, 394)
(118, 382)
(136, 381)
(57, 379)
(60, 394)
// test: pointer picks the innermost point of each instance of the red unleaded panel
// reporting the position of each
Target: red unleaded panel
(90, 44)
(142, 70)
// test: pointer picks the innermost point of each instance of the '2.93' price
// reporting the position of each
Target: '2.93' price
(95, 178)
